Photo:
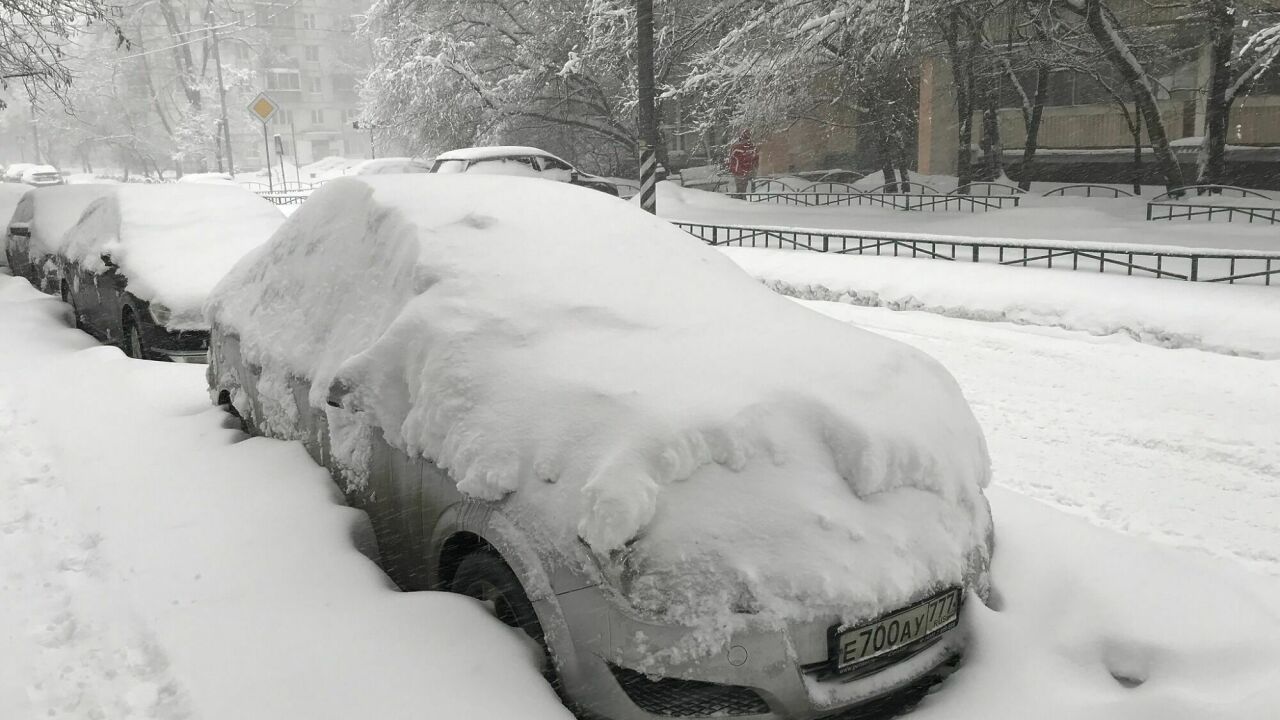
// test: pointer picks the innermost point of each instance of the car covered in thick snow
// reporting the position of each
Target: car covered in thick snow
(37, 230)
(520, 162)
(13, 173)
(699, 498)
(392, 166)
(42, 176)
(139, 264)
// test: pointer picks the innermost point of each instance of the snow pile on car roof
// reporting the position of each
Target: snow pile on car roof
(717, 446)
(174, 242)
(56, 209)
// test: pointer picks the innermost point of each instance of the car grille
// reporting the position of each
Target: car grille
(672, 697)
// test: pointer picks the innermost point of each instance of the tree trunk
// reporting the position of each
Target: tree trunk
(1137, 158)
(1033, 121)
(961, 60)
(1113, 45)
(1211, 163)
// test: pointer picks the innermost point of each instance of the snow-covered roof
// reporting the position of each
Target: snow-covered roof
(55, 209)
(480, 153)
(172, 242)
(612, 378)
(391, 166)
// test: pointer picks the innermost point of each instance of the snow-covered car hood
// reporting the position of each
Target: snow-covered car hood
(609, 378)
(172, 242)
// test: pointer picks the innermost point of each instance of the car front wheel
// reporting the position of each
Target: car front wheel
(484, 576)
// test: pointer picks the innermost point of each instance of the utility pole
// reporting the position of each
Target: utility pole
(293, 141)
(222, 95)
(645, 107)
(35, 133)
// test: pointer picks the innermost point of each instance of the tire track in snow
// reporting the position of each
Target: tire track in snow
(94, 660)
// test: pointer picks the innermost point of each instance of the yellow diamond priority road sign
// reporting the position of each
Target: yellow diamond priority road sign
(263, 107)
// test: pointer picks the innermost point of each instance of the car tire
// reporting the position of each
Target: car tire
(132, 338)
(484, 576)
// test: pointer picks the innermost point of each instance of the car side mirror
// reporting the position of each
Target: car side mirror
(106, 260)
(22, 230)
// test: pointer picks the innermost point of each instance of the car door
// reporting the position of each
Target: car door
(109, 309)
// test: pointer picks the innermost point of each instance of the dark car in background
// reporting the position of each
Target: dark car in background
(137, 266)
(38, 226)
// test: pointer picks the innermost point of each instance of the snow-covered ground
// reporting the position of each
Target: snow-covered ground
(1231, 319)
(1113, 220)
(160, 564)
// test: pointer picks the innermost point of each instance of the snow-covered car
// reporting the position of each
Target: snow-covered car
(518, 161)
(10, 195)
(42, 175)
(38, 227)
(140, 262)
(392, 166)
(700, 498)
(13, 173)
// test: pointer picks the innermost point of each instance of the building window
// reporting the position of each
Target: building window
(315, 84)
(317, 117)
(309, 21)
(313, 53)
(282, 117)
(284, 80)
(241, 51)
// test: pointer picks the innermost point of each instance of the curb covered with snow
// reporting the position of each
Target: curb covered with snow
(1233, 320)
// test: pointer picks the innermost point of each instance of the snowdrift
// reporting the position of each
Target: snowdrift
(719, 447)
(173, 242)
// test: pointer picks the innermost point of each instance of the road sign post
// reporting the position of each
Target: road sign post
(263, 108)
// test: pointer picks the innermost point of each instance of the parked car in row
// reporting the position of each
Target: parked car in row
(13, 173)
(38, 227)
(10, 195)
(520, 162)
(697, 498)
(138, 264)
(42, 176)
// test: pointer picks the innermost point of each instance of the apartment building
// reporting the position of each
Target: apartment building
(307, 58)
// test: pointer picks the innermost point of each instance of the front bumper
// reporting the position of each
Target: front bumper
(760, 673)
(199, 357)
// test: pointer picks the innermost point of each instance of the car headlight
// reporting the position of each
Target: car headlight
(160, 313)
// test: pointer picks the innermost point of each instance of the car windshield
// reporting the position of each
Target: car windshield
(445, 167)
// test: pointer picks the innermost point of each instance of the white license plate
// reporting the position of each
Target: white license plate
(893, 631)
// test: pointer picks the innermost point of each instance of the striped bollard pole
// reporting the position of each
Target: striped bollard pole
(648, 180)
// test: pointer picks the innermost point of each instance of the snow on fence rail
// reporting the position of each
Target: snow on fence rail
(1158, 261)
(1171, 206)
(897, 201)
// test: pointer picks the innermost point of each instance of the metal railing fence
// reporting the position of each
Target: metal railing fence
(1156, 261)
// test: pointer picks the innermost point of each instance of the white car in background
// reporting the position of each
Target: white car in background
(520, 162)
(42, 175)
(695, 496)
(392, 166)
(13, 173)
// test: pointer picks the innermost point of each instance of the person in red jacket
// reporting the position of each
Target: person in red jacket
(744, 158)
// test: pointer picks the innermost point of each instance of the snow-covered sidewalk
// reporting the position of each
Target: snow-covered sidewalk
(157, 563)
(1229, 319)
